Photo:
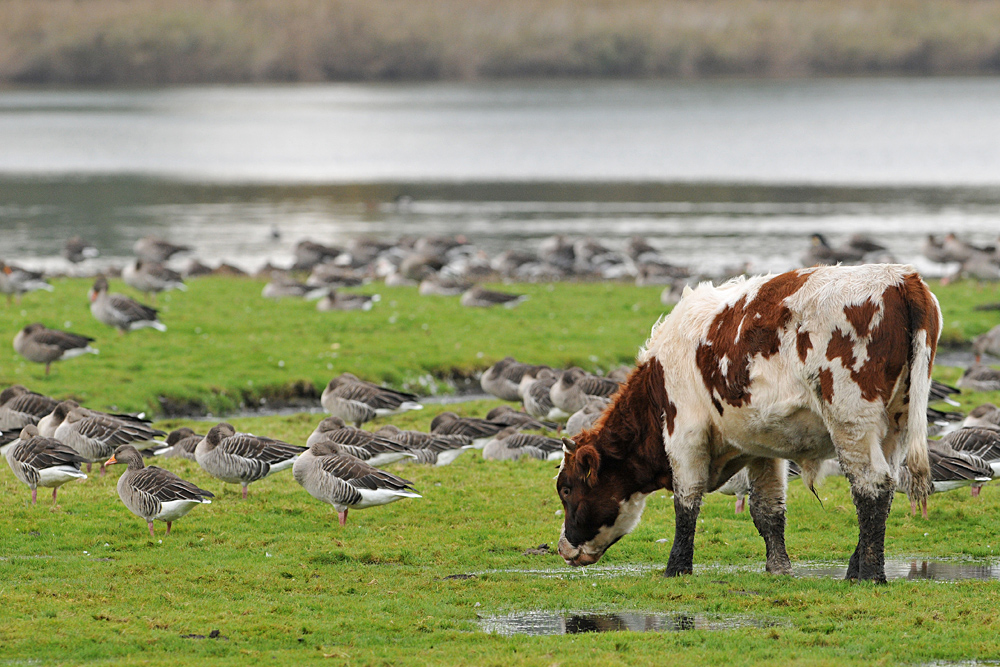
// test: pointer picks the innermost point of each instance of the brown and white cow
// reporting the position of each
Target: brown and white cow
(807, 365)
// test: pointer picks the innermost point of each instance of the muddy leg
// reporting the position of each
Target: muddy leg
(686, 519)
(868, 561)
(767, 508)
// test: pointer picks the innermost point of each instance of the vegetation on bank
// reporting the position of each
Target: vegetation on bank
(151, 42)
(226, 347)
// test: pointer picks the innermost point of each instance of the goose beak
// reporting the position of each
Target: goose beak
(111, 461)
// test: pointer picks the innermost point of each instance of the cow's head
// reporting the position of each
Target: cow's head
(609, 470)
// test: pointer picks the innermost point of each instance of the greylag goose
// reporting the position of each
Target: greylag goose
(933, 249)
(372, 448)
(504, 414)
(154, 249)
(437, 285)
(95, 435)
(503, 378)
(538, 399)
(19, 407)
(987, 343)
(76, 250)
(309, 253)
(821, 253)
(940, 392)
(243, 458)
(119, 311)
(980, 378)
(152, 278)
(355, 400)
(986, 415)
(45, 462)
(480, 297)
(15, 281)
(153, 493)
(738, 485)
(939, 421)
(570, 391)
(510, 445)
(282, 286)
(950, 470)
(347, 482)
(429, 448)
(335, 300)
(480, 430)
(41, 345)
(332, 275)
(587, 416)
(181, 444)
(980, 441)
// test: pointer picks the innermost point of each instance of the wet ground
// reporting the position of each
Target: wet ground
(576, 622)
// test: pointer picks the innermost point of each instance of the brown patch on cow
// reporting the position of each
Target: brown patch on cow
(841, 345)
(924, 313)
(740, 332)
(826, 384)
(860, 316)
(803, 343)
(638, 411)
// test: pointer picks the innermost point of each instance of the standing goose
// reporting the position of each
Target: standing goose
(570, 391)
(983, 442)
(181, 444)
(510, 445)
(373, 448)
(152, 278)
(41, 345)
(76, 250)
(154, 249)
(429, 448)
(15, 281)
(95, 435)
(355, 400)
(502, 378)
(39, 461)
(154, 493)
(119, 311)
(243, 458)
(480, 430)
(19, 407)
(504, 414)
(347, 482)
(950, 470)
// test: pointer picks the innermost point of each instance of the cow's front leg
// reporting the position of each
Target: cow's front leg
(873, 503)
(767, 507)
(686, 510)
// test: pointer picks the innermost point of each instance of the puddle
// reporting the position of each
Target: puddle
(908, 568)
(573, 622)
(593, 571)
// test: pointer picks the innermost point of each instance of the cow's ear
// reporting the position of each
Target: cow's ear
(588, 462)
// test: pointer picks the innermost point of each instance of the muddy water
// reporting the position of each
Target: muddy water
(572, 622)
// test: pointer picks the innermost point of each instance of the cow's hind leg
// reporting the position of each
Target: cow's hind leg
(686, 510)
(767, 507)
(872, 487)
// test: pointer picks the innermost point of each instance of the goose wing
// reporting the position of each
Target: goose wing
(64, 340)
(41, 453)
(165, 486)
(360, 475)
(597, 386)
(373, 395)
(32, 404)
(264, 450)
(129, 309)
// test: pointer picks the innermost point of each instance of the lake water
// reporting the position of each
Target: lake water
(714, 173)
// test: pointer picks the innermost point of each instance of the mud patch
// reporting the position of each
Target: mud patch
(910, 568)
(576, 622)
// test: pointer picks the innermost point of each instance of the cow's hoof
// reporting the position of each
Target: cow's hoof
(779, 568)
(677, 571)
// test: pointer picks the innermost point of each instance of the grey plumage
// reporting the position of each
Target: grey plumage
(243, 458)
(373, 448)
(42, 345)
(510, 445)
(39, 461)
(120, 311)
(19, 407)
(355, 400)
(502, 378)
(504, 414)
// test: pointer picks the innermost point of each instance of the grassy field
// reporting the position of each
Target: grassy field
(82, 582)
(155, 42)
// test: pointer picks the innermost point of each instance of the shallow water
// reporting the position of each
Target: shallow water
(576, 622)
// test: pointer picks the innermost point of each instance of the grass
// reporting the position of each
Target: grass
(151, 42)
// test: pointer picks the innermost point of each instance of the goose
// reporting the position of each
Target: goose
(986, 415)
(940, 391)
(153, 493)
(151, 278)
(119, 311)
(309, 253)
(587, 416)
(181, 444)
(950, 470)
(154, 249)
(982, 442)
(961, 251)
(332, 275)
(437, 285)
(480, 297)
(480, 430)
(281, 286)
(510, 445)
(76, 250)
(738, 485)
(346, 482)
(570, 391)
(503, 378)
(243, 458)
(335, 300)
(939, 422)
(987, 343)
(42, 345)
(355, 400)
(933, 249)
(372, 448)
(39, 461)
(504, 414)
(538, 399)
(430, 448)
(19, 407)
(821, 253)
(15, 281)
(980, 378)
(95, 435)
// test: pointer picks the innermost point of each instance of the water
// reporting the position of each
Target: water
(571, 623)
(714, 173)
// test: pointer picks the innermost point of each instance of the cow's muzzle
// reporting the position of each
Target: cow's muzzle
(575, 556)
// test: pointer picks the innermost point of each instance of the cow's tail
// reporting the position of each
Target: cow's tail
(925, 320)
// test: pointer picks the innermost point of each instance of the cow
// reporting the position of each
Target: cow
(805, 366)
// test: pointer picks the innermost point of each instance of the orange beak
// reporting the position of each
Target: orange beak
(93, 295)
(111, 461)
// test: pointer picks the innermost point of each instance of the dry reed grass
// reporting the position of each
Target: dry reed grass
(136, 42)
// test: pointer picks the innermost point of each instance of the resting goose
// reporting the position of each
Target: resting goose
(940, 392)
(19, 407)
(510, 445)
(987, 343)
(335, 300)
(154, 249)
(373, 448)
(153, 493)
(586, 417)
(15, 281)
(480, 297)
(95, 435)
(980, 378)
(357, 401)
(570, 391)
(119, 311)
(243, 458)
(538, 398)
(152, 277)
(986, 415)
(181, 444)
(480, 430)
(347, 482)
(76, 250)
(504, 414)
(503, 378)
(39, 461)
(938, 422)
(429, 448)
(41, 345)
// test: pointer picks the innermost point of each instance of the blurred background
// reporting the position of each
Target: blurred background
(723, 132)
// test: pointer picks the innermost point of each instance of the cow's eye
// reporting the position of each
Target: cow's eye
(564, 492)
